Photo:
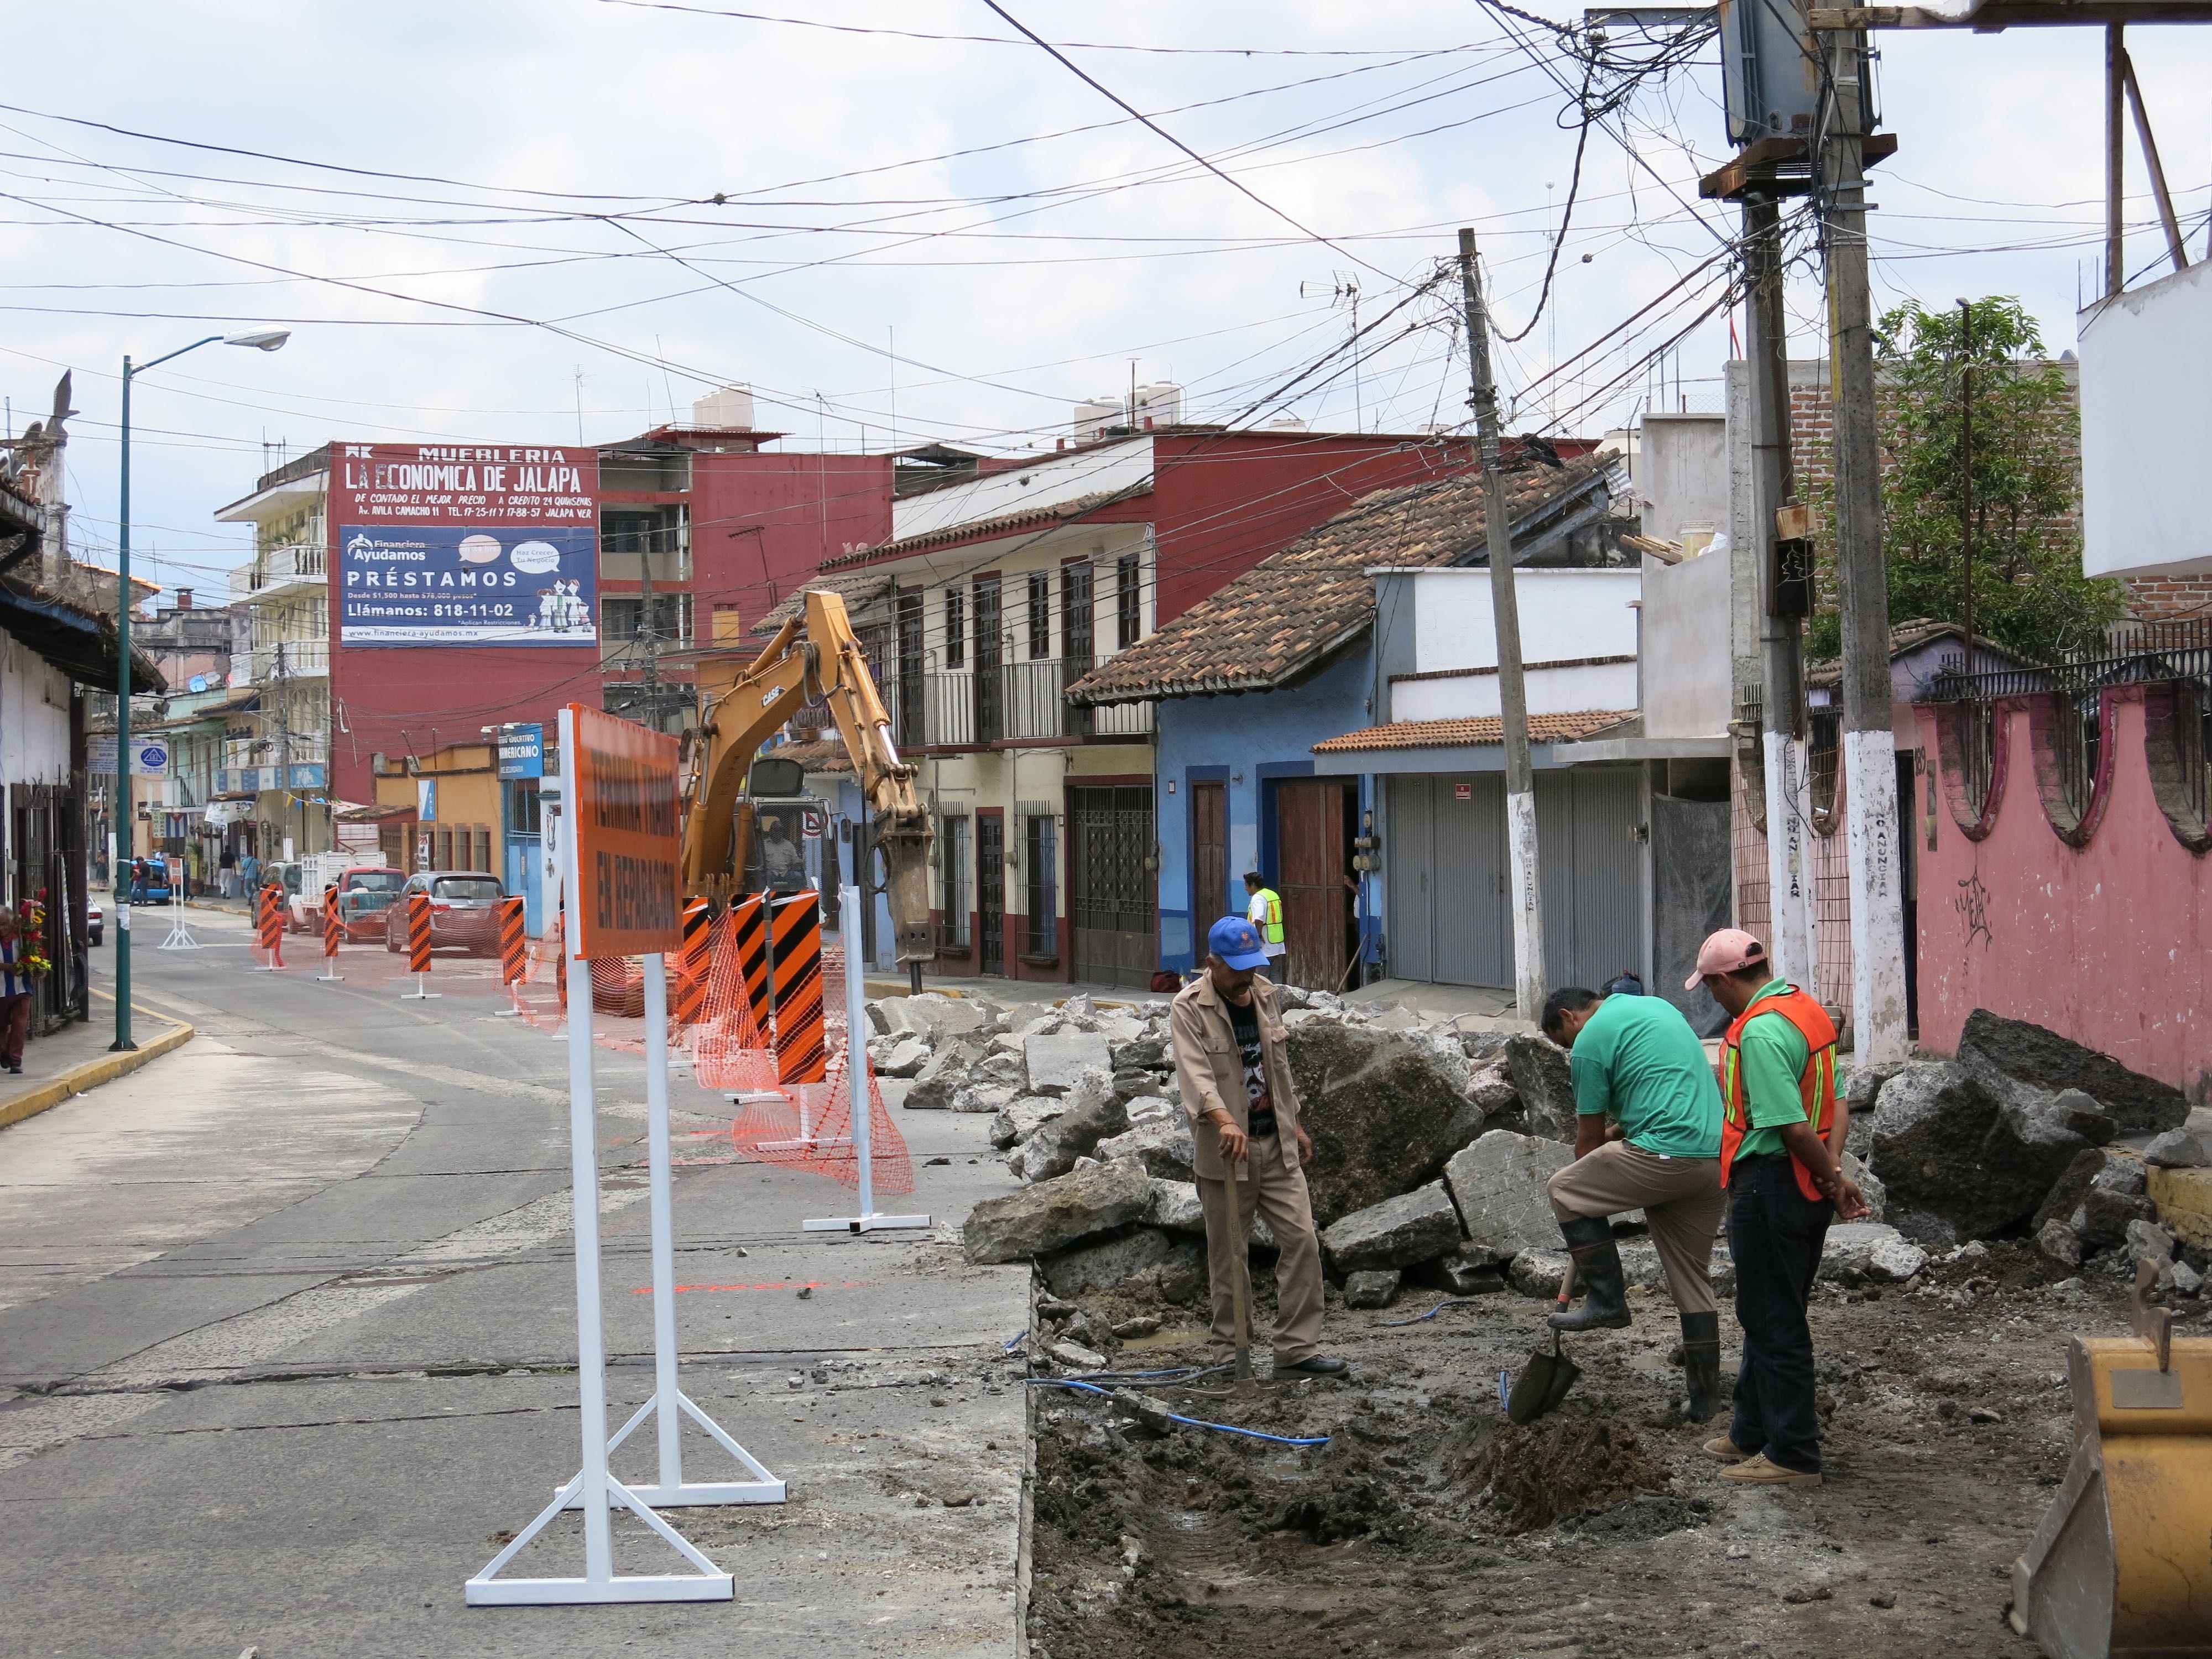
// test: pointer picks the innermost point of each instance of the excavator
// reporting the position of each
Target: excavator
(814, 655)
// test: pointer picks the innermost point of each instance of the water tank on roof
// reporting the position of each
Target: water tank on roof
(1094, 415)
(1284, 423)
(1159, 405)
(730, 407)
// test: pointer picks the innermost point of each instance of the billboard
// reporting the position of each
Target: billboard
(467, 545)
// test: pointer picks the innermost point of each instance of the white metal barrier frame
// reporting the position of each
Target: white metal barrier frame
(180, 938)
(856, 1081)
(593, 1489)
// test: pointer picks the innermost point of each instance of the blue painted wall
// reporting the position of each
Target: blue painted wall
(1248, 741)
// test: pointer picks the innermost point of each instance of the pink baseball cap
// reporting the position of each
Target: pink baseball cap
(1723, 953)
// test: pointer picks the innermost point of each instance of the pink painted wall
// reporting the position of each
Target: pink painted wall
(2108, 942)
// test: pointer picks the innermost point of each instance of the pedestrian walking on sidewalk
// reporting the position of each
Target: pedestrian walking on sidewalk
(17, 983)
(1782, 1135)
(1243, 1107)
(1648, 1137)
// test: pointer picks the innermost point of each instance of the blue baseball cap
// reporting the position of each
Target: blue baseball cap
(1237, 942)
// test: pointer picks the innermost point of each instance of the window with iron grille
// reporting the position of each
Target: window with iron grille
(1040, 875)
(1040, 614)
(1128, 601)
(1075, 615)
(911, 652)
(952, 884)
(956, 628)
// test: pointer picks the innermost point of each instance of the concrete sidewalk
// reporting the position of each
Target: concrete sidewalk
(79, 1056)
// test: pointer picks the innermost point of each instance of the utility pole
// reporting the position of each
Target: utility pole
(1529, 987)
(1788, 593)
(1869, 757)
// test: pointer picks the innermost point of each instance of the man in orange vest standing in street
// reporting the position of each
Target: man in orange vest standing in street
(1782, 1136)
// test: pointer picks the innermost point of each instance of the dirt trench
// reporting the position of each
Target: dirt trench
(1428, 1525)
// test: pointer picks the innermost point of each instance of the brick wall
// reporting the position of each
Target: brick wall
(2158, 598)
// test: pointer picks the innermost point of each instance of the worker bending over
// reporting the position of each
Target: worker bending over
(1781, 1131)
(1648, 1137)
(1243, 1108)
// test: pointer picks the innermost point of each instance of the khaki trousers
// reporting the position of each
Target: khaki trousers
(1681, 1197)
(1279, 1195)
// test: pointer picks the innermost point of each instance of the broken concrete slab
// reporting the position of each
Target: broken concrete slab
(902, 1056)
(1023, 1117)
(1537, 1273)
(1054, 1061)
(1398, 1232)
(981, 1097)
(1870, 1185)
(2183, 1200)
(1163, 1145)
(1116, 1261)
(950, 1068)
(1497, 1185)
(1489, 1091)
(1176, 1207)
(1076, 1132)
(1867, 1252)
(1055, 1215)
(1543, 1084)
(1373, 1288)
(1465, 1271)
(1382, 1114)
(2179, 1149)
(2030, 1054)
(1960, 1162)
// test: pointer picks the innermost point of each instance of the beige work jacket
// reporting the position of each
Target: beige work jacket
(1211, 1072)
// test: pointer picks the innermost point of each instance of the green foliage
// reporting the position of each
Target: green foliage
(2029, 590)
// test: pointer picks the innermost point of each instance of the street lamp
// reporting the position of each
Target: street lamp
(126, 834)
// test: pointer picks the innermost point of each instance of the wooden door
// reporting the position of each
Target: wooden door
(1110, 893)
(1209, 860)
(1313, 836)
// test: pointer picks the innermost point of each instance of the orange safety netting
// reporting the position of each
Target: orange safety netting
(809, 1126)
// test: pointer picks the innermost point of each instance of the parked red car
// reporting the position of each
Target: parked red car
(464, 911)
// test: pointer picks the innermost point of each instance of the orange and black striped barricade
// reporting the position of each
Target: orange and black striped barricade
(802, 1054)
(418, 947)
(513, 953)
(269, 923)
(333, 936)
(694, 962)
(749, 923)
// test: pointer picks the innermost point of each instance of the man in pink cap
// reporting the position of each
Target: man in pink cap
(1782, 1135)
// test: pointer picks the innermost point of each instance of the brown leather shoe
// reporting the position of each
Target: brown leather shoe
(1724, 1449)
(1758, 1472)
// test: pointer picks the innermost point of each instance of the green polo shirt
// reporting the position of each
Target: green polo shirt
(1773, 1053)
(1638, 1061)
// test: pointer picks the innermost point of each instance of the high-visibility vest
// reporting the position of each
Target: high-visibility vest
(1269, 903)
(1816, 1084)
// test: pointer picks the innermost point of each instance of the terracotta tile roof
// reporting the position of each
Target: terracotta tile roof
(1297, 606)
(1474, 733)
(857, 587)
(979, 529)
(828, 756)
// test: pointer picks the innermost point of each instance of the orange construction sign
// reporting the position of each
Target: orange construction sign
(628, 845)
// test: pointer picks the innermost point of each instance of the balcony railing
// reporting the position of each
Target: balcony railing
(1015, 702)
(275, 568)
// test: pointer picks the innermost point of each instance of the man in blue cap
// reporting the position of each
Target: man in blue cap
(1243, 1108)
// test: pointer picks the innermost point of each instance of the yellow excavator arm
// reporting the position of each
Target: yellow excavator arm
(816, 654)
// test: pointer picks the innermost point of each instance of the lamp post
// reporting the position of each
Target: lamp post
(125, 814)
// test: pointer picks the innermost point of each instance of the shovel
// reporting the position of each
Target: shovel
(1545, 1380)
(1240, 1283)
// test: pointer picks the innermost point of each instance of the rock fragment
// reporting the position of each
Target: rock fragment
(1053, 1215)
(1118, 1260)
(1415, 1226)
(1054, 1061)
(1866, 1252)
(1544, 1085)
(1375, 1288)
(1382, 1113)
(1497, 1185)
(2028, 1053)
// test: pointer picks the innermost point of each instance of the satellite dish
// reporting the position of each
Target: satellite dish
(199, 682)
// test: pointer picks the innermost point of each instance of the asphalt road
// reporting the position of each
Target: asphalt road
(287, 1346)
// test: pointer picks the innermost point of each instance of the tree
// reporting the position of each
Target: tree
(2029, 592)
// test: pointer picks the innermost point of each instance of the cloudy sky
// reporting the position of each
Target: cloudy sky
(489, 220)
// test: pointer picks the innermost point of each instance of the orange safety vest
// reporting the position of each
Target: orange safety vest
(1817, 1086)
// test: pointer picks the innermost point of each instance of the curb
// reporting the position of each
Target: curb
(93, 1072)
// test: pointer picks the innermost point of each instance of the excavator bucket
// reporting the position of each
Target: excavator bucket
(2121, 1567)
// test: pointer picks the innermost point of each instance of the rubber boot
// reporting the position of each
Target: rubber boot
(1701, 1364)
(1597, 1270)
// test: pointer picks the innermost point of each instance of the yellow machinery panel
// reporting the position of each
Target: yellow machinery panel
(2121, 1567)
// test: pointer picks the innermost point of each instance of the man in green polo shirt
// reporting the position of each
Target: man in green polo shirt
(1648, 1137)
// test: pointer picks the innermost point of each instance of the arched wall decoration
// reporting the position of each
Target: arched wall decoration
(1951, 753)
(2167, 749)
(2045, 722)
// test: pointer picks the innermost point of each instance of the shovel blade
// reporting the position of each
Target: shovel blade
(1543, 1383)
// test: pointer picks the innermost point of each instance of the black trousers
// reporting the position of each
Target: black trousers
(1775, 1234)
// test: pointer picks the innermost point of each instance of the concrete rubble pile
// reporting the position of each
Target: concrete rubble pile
(1433, 1141)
